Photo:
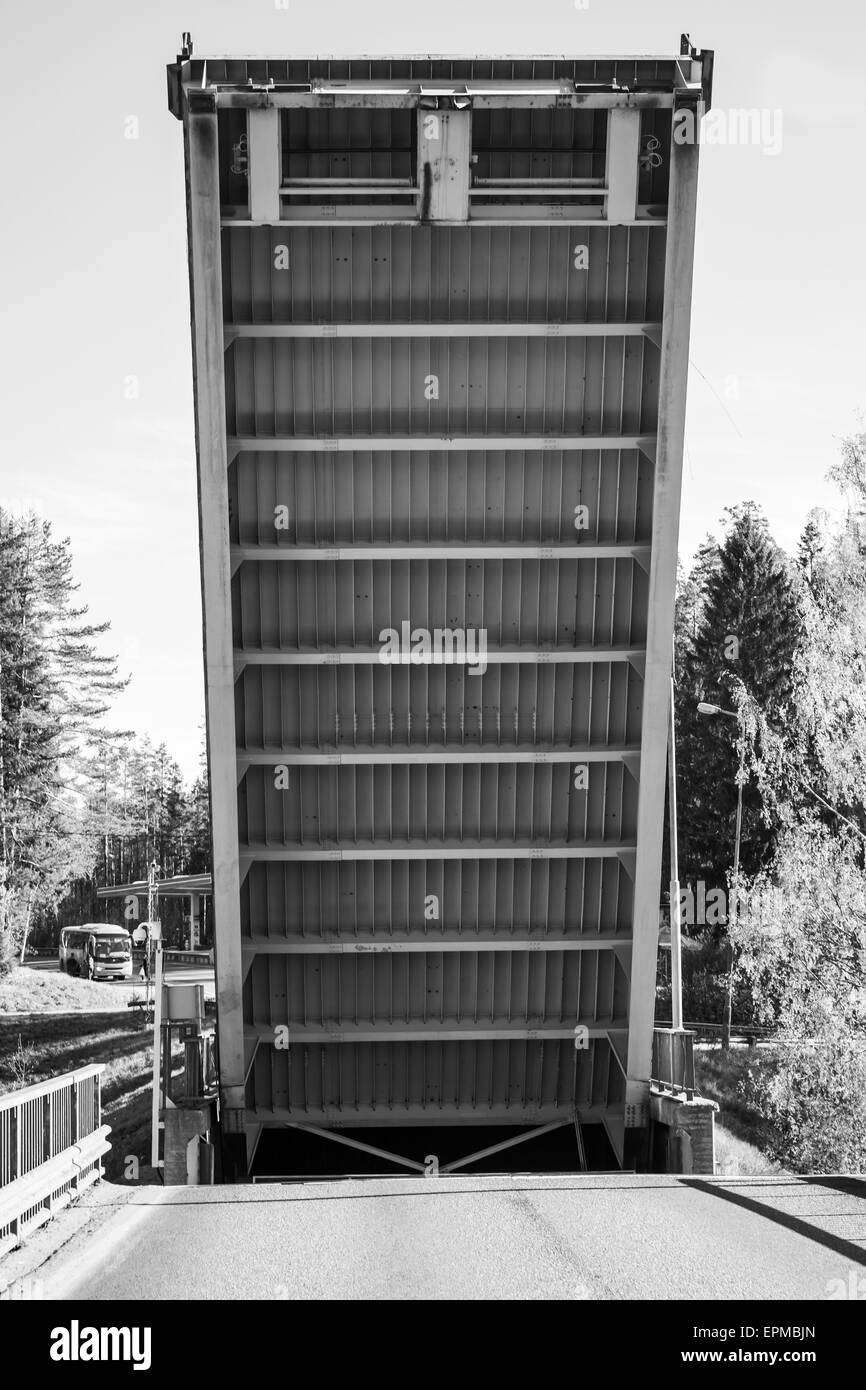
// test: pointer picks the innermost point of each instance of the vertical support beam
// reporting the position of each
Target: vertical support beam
(263, 168)
(200, 141)
(47, 1150)
(676, 924)
(159, 1083)
(15, 1162)
(194, 921)
(621, 165)
(444, 152)
(660, 625)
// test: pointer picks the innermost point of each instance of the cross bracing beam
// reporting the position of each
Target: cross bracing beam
(337, 1138)
(251, 1046)
(534, 1133)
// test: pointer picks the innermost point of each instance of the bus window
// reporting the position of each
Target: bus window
(112, 947)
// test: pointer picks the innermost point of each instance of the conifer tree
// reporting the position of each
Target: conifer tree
(55, 687)
(745, 646)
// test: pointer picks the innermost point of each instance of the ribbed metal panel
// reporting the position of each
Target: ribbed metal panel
(455, 802)
(453, 1082)
(445, 274)
(509, 707)
(527, 602)
(355, 386)
(527, 899)
(396, 497)
(625, 72)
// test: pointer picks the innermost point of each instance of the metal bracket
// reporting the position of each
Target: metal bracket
(628, 859)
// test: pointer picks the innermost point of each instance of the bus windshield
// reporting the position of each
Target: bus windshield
(112, 946)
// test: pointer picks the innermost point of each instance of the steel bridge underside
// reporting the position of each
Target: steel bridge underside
(440, 391)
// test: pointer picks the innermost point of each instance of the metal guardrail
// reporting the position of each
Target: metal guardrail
(178, 957)
(195, 957)
(673, 1061)
(52, 1141)
(746, 1032)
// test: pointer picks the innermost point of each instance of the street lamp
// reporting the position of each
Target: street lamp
(674, 894)
(149, 934)
(705, 708)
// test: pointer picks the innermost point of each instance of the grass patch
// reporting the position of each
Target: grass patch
(27, 990)
(731, 1078)
(735, 1158)
(61, 1042)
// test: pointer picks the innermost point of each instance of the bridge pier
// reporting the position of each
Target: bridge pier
(232, 1145)
(184, 1122)
(683, 1134)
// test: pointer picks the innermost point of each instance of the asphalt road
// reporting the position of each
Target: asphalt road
(596, 1236)
(51, 963)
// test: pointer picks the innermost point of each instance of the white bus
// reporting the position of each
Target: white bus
(96, 951)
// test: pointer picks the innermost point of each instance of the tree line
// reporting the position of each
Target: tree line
(778, 641)
(81, 805)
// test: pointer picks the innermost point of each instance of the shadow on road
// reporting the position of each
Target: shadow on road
(850, 1186)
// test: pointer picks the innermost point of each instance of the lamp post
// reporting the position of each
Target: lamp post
(676, 923)
(704, 708)
(149, 933)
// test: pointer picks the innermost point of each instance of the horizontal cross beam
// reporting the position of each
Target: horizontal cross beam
(425, 755)
(452, 329)
(360, 656)
(433, 942)
(415, 1114)
(399, 96)
(423, 849)
(529, 214)
(435, 1031)
(444, 443)
(449, 551)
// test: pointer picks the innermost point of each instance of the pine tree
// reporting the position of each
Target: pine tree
(198, 819)
(744, 647)
(55, 687)
(691, 593)
(810, 550)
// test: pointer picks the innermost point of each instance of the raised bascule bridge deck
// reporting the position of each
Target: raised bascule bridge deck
(440, 332)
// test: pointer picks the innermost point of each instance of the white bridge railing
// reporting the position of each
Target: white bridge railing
(52, 1141)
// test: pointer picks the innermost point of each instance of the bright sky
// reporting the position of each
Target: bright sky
(96, 291)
